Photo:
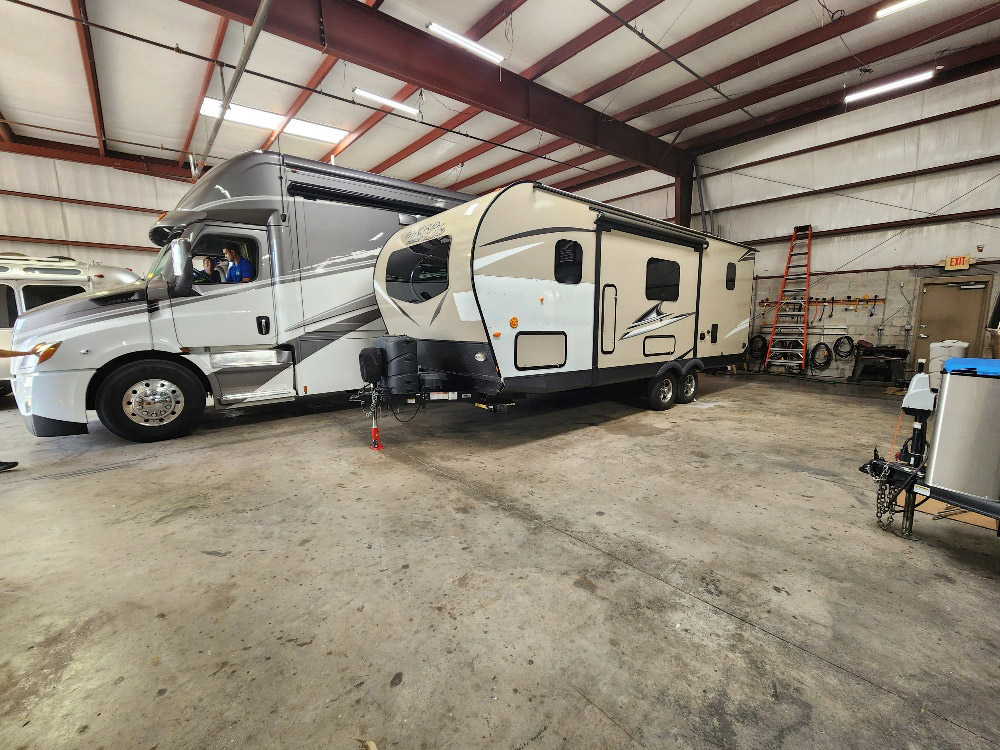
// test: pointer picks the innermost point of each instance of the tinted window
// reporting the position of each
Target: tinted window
(569, 262)
(36, 294)
(213, 245)
(663, 280)
(419, 272)
(8, 310)
(731, 276)
(44, 269)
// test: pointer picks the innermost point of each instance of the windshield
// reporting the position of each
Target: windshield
(160, 263)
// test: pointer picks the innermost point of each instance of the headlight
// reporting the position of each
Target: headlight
(44, 351)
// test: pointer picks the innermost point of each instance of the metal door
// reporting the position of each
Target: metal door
(649, 298)
(952, 308)
(228, 316)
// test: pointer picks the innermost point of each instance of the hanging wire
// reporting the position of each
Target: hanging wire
(275, 79)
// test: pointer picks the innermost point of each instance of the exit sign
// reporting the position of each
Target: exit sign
(956, 263)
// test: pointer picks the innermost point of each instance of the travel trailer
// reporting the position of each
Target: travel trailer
(27, 283)
(291, 323)
(531, 289)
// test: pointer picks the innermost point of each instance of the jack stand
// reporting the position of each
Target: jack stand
(909, 510)
(376, 437)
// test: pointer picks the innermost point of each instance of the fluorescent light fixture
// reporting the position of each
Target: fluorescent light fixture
(386, 102)
(901, 83)
(468, 44)
(898, 7)
(315, 131)
(258, 118)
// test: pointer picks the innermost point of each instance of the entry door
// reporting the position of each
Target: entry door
(648, 298)
(952, 308)
(234, 315)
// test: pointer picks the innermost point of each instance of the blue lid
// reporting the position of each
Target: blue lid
(970, 366)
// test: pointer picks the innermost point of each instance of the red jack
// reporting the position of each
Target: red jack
(376, 440)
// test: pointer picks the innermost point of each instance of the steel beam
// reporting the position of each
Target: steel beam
(739, 19)
(939, 169)
(883, 226)
(77, 243)
(381, 43)
(490, 20)
(220, 35)
(6, 134)
(683, 196)
(958, 66)
(313, 83)
(87, 155)
(79, 202)
(883, 51)
(557, 57)
(619, 171)
(90, 69)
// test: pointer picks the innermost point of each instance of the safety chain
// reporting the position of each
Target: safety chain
(885, 503)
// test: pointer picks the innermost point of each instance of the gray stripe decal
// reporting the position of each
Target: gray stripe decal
(533, 232)
(359, 303)
(335, 332)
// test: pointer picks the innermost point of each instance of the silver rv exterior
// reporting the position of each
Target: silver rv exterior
(27, 283)
(146, 355)
(530, 289)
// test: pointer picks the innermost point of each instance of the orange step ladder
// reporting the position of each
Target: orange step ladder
(788, 345)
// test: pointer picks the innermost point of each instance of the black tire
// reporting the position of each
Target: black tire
(5, 389)
(175, 401)
(687, 388)
(662, 392)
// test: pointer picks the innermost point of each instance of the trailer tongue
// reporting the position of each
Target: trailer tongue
(961, 465)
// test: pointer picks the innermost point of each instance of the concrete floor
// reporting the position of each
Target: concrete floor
(579, 573)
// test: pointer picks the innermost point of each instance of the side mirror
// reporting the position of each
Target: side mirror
(181, 267)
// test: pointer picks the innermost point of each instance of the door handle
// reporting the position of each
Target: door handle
(922, 335)
(263, 325)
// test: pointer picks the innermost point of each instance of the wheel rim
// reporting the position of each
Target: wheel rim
(153, 402)
(666, 390)
(689, 386)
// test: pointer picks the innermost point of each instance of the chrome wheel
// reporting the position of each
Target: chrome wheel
(666, 390)
(153, 402)
(690, 386)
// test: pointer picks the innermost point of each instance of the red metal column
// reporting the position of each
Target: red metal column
(379, 42)
(220, 35)
(90, 69)
(683, 195)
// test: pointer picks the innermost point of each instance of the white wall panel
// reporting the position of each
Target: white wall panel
(31, 217)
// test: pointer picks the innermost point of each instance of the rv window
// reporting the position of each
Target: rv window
(37, 294)
(419, 272)
(44, 269)
(8, 311)
(663, 280)
(569, 262)
(212, 245)
(731, 276)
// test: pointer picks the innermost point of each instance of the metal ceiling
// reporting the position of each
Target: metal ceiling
(580, 98)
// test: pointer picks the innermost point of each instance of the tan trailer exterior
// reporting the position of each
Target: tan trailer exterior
(530, 289)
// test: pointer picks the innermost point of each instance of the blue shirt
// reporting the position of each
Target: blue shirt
(241, 269)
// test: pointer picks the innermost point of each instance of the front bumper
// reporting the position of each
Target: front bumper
(53, 403)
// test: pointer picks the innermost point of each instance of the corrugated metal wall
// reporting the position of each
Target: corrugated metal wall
(52, 220)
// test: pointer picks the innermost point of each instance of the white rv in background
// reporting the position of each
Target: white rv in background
(27, 283)
(147, 356)
(530, 289)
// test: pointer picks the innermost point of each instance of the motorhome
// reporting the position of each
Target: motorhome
(531, 289)
(30, 282)
(291, 323)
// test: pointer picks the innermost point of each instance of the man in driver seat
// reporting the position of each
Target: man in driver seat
(240, 269)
